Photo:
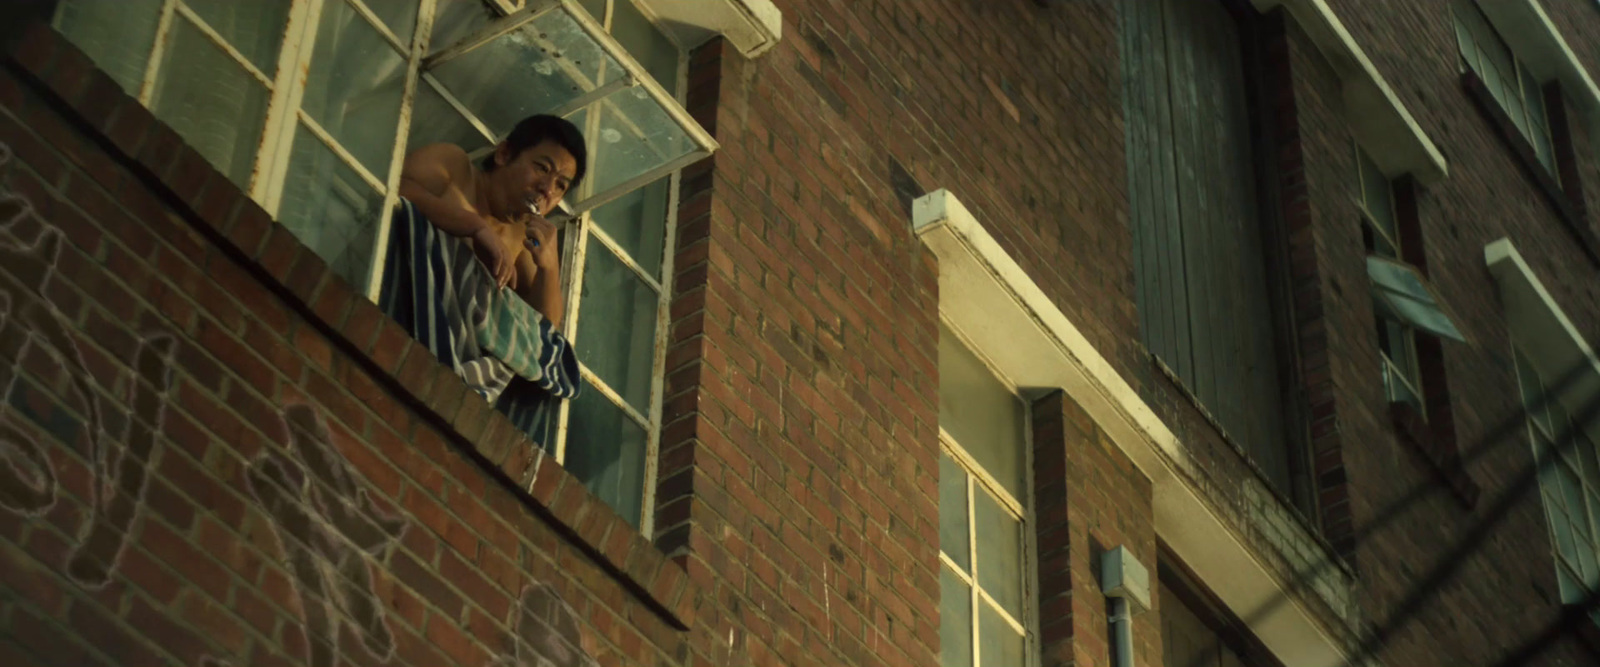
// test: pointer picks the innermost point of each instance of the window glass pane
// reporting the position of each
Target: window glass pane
(1594, 514)
(211, 101)
(330, 208)
(399, 15)
(606, 449)
(354, 87)
(596, 9)
(519, 75)
(1532, 392)
(999, 645)
(635, 135)
(1572, 500)
(617, 326)
(1561, 525)
(255, 29)
(1572, 591)
(953, 536)
(454, 20)
(983, 416)
(999, 541)
(434, 121)
(638, 222)
(955, 620)
(1538, 121)
(1377, 196)
(1397, 346)
(645, 43)
(116, 34)
(1464, 38)
(1398, 389)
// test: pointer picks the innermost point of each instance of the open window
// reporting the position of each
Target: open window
(322, 152)
(310, 105)
(1405, 303)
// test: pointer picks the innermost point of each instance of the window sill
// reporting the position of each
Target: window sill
(1441, 456)
(1570, 216)
(407, 372)
(1293, 509)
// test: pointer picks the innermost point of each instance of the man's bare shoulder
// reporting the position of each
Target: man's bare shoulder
(449, 156)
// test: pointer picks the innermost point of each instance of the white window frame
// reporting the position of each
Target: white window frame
(286, 88)
(979, 480)
(284, 114)
(1527, 122)
(1545, 342)
(580, 229)
(1408, 377)
(1581, 579)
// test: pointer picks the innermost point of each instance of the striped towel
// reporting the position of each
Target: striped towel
(435, 287)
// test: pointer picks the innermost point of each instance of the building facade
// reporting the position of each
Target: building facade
(899, 322)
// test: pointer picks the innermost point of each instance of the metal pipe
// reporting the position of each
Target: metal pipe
(1121, 633)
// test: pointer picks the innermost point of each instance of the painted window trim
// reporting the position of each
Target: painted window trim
(1410, 376)
(1528, 30)
(751, 26)
(1523, 125)
(1027, 337)
(981, 481)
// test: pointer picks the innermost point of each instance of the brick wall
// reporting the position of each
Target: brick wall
(268, 471)
(219, 454)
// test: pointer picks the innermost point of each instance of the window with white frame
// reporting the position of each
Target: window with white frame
(1507, 79)
(1569, 483)
(1397, 341)
(987, 605)
(322, 152)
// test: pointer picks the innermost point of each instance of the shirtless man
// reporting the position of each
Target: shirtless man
(500, 207)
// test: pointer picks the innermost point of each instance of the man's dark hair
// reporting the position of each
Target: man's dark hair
(533, 130)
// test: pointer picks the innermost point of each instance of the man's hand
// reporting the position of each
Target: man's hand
(500, 260)
(542, 243)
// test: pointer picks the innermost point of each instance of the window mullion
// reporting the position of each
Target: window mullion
(605, 389)
(382, 27)
(152, 69)
(973, 599)
(626, 259)
(573, 274)
(466, 114)
(223, 43)
(333, 145)
(419, 48)
(272, 162)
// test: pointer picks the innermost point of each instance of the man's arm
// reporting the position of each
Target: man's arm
(543, 263)
(433, 178)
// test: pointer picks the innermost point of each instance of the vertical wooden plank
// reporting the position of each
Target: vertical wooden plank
(1168, 237)
(1227, 173)
(1137, 146)
(1259, 355)
(1182, 252)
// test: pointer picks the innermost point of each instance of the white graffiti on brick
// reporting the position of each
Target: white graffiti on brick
(329, 530)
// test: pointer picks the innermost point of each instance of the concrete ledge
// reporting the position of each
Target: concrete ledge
(1545, 335)
(1033, 343)
(752, 26)
(1381, 121)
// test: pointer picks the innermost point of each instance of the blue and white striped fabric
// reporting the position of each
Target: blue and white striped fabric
(507, 352)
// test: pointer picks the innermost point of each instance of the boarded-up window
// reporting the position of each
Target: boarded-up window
(1205, 295)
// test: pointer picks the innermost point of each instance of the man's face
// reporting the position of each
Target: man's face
(537, 178)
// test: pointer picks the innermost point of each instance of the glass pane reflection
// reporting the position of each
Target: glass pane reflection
(955, 620)
(211, 101)
(606, 450)
(330, 208)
